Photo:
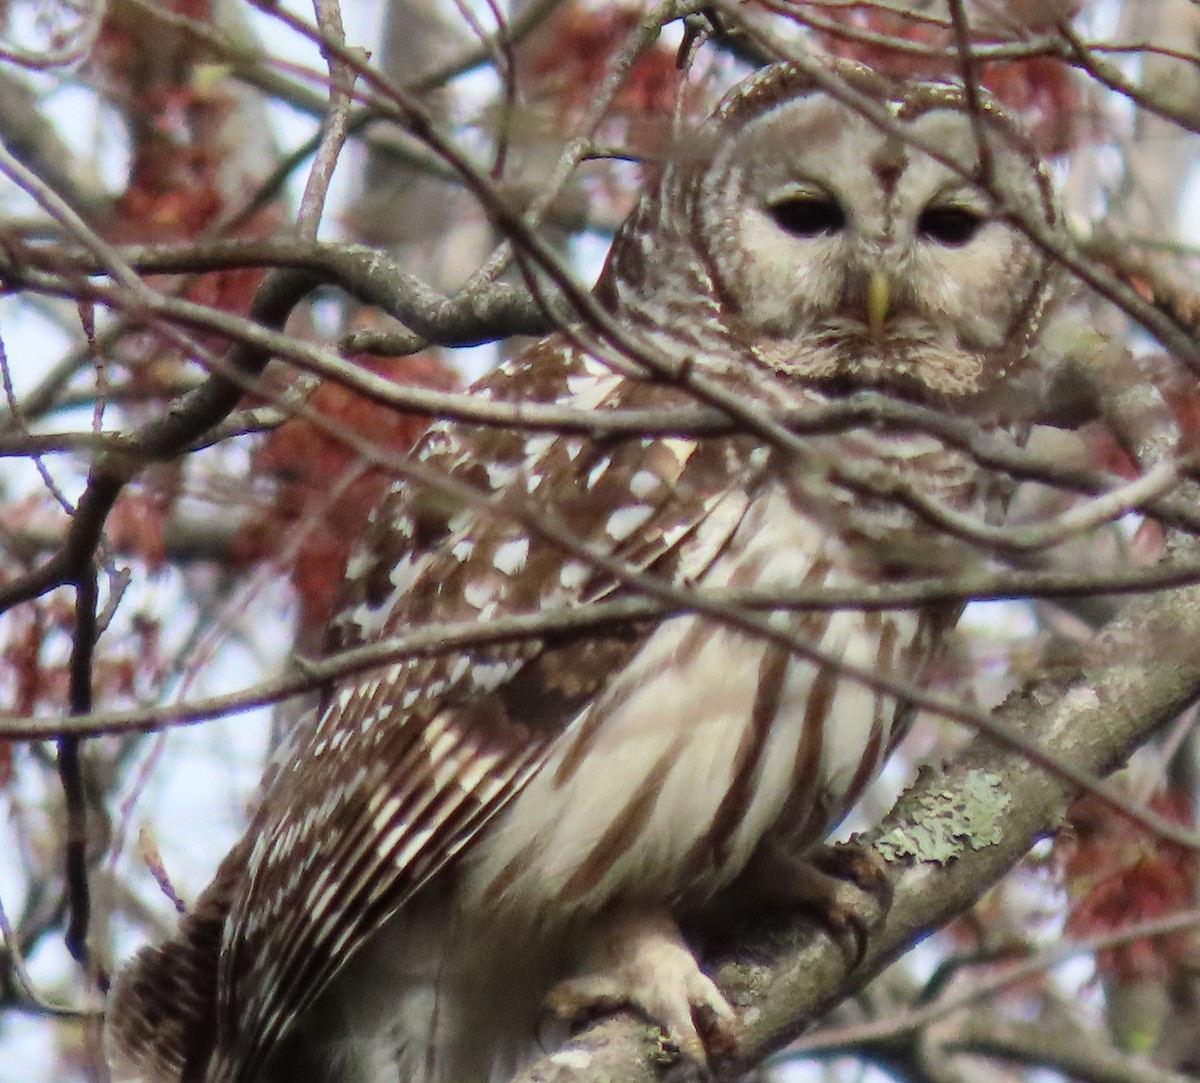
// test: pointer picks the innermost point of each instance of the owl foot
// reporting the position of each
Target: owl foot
(846, 887)
(638, 960)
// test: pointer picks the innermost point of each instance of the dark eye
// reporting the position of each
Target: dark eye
(951, 226)
(807, 216)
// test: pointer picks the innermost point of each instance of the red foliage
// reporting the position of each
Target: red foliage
(323, 490)
(900, 27)
(23, 662)
(135, 527)
(172, 190)
(36, 684)
(35, 662)
(568, 59)
(1117, 874)
(136, 524)
(183, 175)
(1041, 90)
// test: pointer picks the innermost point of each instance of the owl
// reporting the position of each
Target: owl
(455, 839)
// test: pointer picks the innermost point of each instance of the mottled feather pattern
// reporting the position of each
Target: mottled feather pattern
(429, 793)
(677, 713)
(434, 842)
(411, 760)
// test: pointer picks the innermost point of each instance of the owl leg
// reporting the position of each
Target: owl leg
(846, 886)
(636, 958)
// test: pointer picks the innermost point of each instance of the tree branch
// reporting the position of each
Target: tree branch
(1075, 1051)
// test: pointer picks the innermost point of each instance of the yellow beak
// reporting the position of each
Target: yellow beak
(878, 296)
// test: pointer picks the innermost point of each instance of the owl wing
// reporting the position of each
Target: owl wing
(405, 764)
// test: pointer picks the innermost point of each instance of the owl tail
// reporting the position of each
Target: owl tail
(161, 1016)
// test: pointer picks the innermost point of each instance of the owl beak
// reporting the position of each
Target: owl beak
(878, 297)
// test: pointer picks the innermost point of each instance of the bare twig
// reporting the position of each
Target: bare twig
(334, 128)
(900, 1024)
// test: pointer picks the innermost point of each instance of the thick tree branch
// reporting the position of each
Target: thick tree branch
(365, 273)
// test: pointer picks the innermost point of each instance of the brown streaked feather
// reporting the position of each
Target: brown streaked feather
(625, 826)
(711, 849)
(804, 809)
(313, 895)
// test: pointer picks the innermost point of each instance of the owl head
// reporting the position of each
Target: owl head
(841, 229)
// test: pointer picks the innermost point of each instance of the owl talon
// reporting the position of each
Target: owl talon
(641, 962)
(848, 888)
(860, 866)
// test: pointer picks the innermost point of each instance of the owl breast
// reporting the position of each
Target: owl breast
(711, 738)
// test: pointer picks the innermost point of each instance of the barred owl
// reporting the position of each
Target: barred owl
(454, 837)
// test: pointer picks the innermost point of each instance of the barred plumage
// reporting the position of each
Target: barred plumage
(434, 845)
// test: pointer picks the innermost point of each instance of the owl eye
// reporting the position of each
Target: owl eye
(807, 216)
(949, 226)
